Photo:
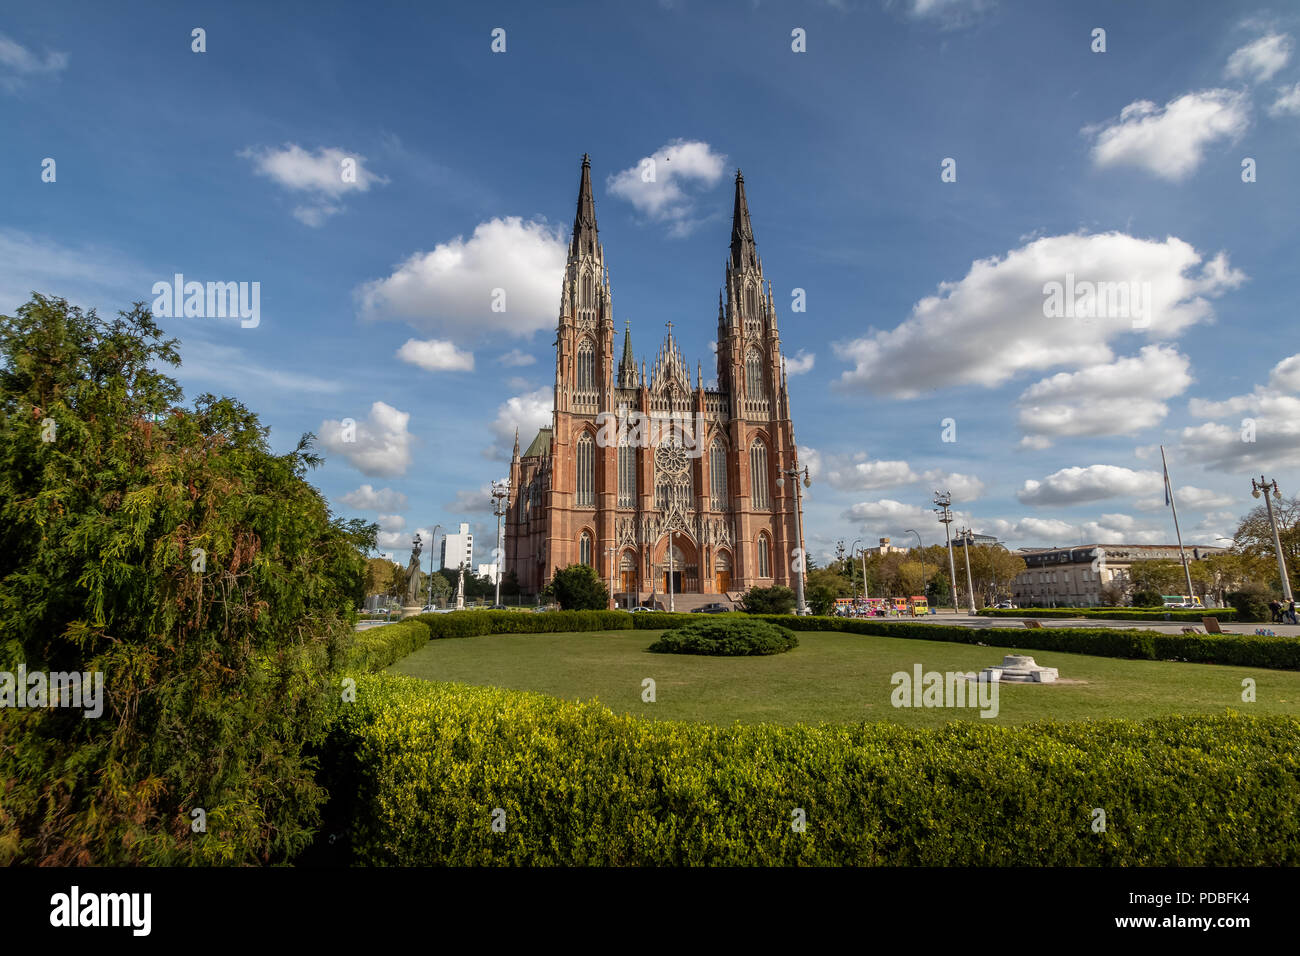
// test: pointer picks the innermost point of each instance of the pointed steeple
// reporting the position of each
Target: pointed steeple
(743, 253)
(627, 365)
(584, 221)
(516, 452)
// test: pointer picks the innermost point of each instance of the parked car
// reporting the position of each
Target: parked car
(643, 608)
(1006, 606)
(714, 608)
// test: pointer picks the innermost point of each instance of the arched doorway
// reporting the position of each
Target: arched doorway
(627, 572)
(684, 566)
(722, 572)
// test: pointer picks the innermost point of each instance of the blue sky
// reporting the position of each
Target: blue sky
(924, 297)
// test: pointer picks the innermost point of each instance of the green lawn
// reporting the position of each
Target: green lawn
(837, 678)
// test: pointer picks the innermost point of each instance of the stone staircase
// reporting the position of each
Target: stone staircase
(689, 602)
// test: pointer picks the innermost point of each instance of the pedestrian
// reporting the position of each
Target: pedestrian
(1290, 612)
(1276, 607)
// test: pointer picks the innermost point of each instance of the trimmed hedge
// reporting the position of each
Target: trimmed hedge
(377, 648)
(727, 638)
(419, 769)
(1245, 650)
(1116, 613)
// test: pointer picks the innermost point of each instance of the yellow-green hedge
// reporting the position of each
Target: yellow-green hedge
(418, 769)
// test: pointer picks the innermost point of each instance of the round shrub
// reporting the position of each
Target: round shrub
(726, 638)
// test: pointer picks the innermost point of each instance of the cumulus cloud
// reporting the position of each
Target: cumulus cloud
(1170, 141)
(380, 446)
(19, 64)
(366, 498)
(436, 355)
(527, 413)
(993, 324)
(800, 363)
(324, 176)
(471, 501)
(505, 277)
(860, 473)
(1263, 427)
(1109, 398)
(663, 185)
(1259, 60)
(391, 522)
(1287, 102)
(515, 358)
(1189, 497)
(1073, 486)
(945, 14)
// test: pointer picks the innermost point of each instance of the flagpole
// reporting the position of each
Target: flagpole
(1169, 493)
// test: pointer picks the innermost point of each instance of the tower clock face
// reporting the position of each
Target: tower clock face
(671, 460)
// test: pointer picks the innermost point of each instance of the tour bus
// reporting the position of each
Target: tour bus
(920, 606)
(1181, 600)
(899, 606)
(876, 606)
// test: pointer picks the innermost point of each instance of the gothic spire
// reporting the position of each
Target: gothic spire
(627, 366)
(743, 253)
(584, 221)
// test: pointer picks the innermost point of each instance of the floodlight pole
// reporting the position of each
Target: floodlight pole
(1264, 486)
(944, 500)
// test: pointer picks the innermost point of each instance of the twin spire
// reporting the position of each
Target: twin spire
(584, 222)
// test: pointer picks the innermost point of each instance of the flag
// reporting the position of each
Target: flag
(1168, 499)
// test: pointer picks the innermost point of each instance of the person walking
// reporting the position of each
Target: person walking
(1275, 606)
(1290, 612)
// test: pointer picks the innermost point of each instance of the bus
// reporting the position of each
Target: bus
(920, 606)
(1181, 600)
(898, 606)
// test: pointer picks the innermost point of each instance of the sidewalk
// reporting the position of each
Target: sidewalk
(1172, 627)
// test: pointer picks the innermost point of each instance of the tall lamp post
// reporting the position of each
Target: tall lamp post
(853, 553)
(944, 500)
(1263, 486)
(500, 492)
(433, 537)
(610, 551)
(919, 553)
(968, 538)
(801, 606)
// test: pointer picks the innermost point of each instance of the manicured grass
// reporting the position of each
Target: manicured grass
(835, 678)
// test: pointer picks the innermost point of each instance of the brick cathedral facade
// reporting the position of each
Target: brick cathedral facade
(579, 493)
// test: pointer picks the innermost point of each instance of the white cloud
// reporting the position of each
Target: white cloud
(453, 289)
(1287, 102)
(366, 498)
(382, 445)
(1188, 497)
(391, 523)
(229, 366)
(1170, 142)
(471, 501)
(676, 167)
(324, 176)
(20, 64)
(527, 413)
(1263, 427)
(1259, 60)
(946, 14)
(436, 355)
(992, 323)
(515, 358)
(1073, 486)
(85, 275)
(1112, 398)
(800, 363)
(961, 487)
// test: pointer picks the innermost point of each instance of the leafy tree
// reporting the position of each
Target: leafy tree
(168, 549)
(578, 588)
(777, 599)
(1254, 538)
(1159, 575)
(1147, 598)
(441, 590)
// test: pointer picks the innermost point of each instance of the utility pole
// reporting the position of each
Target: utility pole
(610, 551)
(1263, 486)
(968, 537)
(433, 537)
(944, 500)
(800, 606)
(500, 492)
(853, 553)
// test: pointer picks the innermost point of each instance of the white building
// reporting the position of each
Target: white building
(489, 571)
(886, 548)
(458, 549)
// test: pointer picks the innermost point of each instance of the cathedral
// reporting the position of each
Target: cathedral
(699, 505)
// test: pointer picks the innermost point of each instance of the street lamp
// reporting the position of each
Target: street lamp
(1263, 486)
(968, 538)
(610, 551)
(853, 551)
(500, 492)
(944, 501)
(801, 608)
(433, 536)
(920, 555)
